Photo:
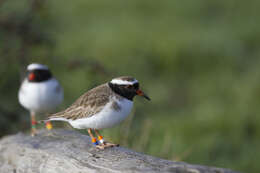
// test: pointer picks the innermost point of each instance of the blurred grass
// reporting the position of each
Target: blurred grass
(197, 60)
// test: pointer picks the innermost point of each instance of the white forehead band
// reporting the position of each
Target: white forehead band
(123, 82)
(36, 66)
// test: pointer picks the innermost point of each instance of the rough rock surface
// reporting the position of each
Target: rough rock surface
(65, 151)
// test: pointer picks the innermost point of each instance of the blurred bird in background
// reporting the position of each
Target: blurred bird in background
(39, 93)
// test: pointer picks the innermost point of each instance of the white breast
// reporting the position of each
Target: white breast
(106, 118)
(40, 97)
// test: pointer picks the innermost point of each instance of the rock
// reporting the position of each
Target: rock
(65, 151)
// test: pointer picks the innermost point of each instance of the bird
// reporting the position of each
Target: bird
(102, 107)
(39, 93)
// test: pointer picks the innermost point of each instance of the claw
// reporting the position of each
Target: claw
(101, 147)
(33, 132)
(106, 145)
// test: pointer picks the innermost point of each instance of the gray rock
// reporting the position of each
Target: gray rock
(65, 151)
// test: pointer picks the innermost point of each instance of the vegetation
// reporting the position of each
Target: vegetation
(197, 60)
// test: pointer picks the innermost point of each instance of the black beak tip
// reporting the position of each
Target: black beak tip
(148, 98)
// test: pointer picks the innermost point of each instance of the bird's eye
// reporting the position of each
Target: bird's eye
(129, 86)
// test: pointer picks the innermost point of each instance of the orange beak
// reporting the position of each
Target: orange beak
(141, 93)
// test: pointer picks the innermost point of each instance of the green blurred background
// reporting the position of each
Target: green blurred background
(197, 60)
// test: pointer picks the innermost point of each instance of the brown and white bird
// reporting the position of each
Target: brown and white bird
(40, 92)
(102, 107)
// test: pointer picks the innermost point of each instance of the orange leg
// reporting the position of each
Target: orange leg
(104, 144)
(93, 139)
(33, 125)
(48, 125)
(100, 138)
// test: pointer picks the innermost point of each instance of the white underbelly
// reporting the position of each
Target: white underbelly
(41, 97)
(108, 117)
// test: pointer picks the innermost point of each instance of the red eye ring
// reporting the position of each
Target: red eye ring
(31, 76)
(129, 86)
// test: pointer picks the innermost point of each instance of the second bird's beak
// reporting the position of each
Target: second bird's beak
(141, 93)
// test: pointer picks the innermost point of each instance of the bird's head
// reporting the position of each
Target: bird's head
(127, 87)
(38, 73)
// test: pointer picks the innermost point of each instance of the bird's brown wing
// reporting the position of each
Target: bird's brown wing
(86, 105)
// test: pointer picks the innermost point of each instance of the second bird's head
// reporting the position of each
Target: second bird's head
(127, 87)
(38, 73)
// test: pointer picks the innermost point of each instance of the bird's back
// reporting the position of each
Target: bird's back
(87, 105)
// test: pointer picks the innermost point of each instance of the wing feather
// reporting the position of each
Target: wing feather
(87, 105)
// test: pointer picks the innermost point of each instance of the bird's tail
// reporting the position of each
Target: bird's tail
(52, 119)
(42, 121)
